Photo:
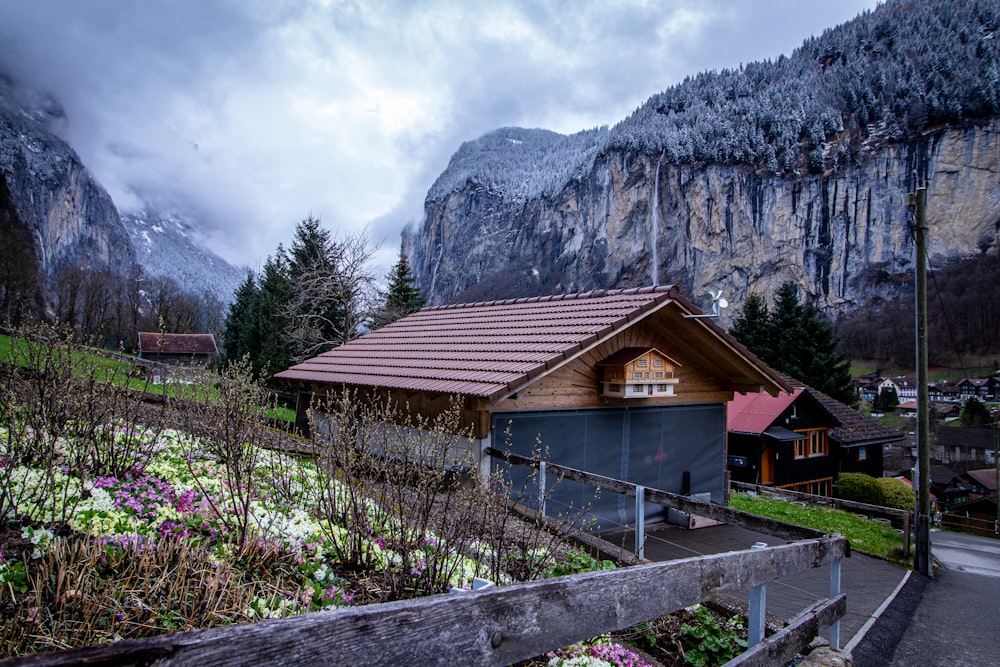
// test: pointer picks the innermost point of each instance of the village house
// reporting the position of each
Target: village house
(177, 349)
(962, 447)
(867, 386)
(631, 384)
(983, 389)
(943, 392)
(802, 441)
(906, 388)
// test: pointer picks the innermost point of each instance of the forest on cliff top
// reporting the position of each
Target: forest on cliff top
(888, 75)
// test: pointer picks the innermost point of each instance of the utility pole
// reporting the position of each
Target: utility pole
(923, 552)
(996, 464)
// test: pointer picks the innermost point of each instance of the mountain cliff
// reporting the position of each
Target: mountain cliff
(70, 220)
(70, 217)
(167, 244)
(794, 169)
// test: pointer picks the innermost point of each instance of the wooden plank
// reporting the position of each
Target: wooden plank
(492, 626)
(782, 647)
(683, 503)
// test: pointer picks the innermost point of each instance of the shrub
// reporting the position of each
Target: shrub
(859, 487)
(896, 493)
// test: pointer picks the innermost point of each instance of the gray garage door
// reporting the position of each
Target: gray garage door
(673, 448)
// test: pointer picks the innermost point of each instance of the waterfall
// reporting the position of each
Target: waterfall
(655, 226)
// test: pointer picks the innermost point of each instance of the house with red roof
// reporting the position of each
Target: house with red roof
(802, 440)
(631, 384)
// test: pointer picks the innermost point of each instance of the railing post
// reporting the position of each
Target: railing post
(906, 535)
(758, 609)
(834, 592)
(541, 487)
(640, 522)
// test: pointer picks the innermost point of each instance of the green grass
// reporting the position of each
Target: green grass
(117, 370)
(866, 536)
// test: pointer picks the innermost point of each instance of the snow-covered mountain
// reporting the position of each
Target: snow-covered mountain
(71, 219)
(168, 244)
(794, 169)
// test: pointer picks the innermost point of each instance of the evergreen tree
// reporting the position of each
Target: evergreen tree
(796, 340)
(402, 296)
(304, 301)
(752, 327)
(887, 400)
(975, 414)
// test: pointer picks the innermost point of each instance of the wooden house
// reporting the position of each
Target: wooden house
(177, 349)
(545, 369)
(801, 441)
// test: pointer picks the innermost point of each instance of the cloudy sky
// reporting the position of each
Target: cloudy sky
(255, 113)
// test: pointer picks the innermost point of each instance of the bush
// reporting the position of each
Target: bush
(859, 487)
(883, 491)
(896, 493)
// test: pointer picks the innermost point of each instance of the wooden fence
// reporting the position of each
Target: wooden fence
(898, 518)
(973, 525)
(492, 626)
(504, 625)
(689, 505)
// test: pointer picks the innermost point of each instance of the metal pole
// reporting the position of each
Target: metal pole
(541, 487)
(996, 463)
(923, 558)
(758, 609)
(640, 522)
(834, 592)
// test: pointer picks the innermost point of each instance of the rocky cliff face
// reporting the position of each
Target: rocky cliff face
(70, 216)
(634, 219)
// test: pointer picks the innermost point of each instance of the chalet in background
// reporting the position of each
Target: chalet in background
(577, 373)
(801, 441)
(177, 349)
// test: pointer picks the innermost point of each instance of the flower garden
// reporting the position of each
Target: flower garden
(121, 520)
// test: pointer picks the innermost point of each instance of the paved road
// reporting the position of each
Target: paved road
(967, 553)
(956, 624)
(951, 620)
(867, 581)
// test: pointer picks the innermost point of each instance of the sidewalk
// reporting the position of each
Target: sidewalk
(868, 582)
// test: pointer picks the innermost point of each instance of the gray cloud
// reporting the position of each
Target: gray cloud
(254, 114)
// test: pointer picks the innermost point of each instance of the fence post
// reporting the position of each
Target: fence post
(906, 535)
(758, 609)
(640, 522)
(541, 487)
(834, 592)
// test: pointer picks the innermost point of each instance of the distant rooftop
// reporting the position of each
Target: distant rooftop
(174, 343)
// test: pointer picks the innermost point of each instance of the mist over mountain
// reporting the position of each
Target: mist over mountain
(793, 169)
(66, 222)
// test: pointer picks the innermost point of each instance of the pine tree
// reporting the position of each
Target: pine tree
(402, 297)
(887, 400)
(794, 339)
(752, 326)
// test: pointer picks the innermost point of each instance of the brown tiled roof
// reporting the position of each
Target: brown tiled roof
(490, 349)
(173, 343)
(855, 428)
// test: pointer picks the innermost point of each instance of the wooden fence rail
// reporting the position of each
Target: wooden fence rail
(492, 626)
(686, 504)
(971, 524)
